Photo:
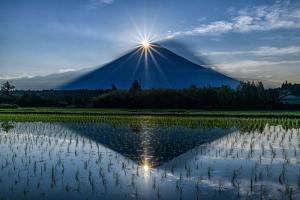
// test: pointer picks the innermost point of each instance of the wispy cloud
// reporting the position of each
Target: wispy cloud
(270, 63)
(66, 70)
(11, 76)
(281, 15)
(261, 51)
(98, 3)
(243, 64)
(274, 71)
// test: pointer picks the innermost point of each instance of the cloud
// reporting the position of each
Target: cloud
(11, 76)
(281, 15)
(98, 3)
(242, 64)
(66, 70)
(261, 51)
(270, 63)
(270, 71)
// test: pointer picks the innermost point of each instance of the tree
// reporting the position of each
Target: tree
(286, 85)
(7, 88)
(135, 87)
(114, 88)
(69, 99)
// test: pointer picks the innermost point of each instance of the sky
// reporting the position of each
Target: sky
(246, 39)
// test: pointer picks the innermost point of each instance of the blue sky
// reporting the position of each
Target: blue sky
(254, 39)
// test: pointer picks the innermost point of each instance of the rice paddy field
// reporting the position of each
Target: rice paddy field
(133, 154)
(151, 112)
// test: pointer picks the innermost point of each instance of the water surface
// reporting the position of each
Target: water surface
(143, 161)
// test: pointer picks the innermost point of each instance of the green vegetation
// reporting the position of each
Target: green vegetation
(7, 106)
(248, 120)
(7, 88)
(248, 96)
(149, 112)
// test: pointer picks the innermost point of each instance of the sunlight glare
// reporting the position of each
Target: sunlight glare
(145, 43)
(146, 167)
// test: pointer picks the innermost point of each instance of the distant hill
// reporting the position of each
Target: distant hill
(46, 82)
(159, 68)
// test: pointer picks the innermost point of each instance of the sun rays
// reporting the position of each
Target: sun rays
(145, 38)
(145, 44)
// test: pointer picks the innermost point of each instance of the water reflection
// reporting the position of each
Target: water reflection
(145, 143)
(104, 161)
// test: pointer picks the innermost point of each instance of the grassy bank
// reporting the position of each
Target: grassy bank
(244, 123)
(150, 112)
(168, 117)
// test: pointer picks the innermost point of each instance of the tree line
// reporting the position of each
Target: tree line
(248, 96)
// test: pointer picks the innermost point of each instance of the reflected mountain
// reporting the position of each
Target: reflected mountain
(145, 144)
(151, 145)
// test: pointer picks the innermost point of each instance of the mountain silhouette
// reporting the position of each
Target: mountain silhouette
(153, 67)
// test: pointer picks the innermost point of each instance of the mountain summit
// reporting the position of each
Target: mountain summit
(154, 67)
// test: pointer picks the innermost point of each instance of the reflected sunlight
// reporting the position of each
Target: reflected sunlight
(146, 167)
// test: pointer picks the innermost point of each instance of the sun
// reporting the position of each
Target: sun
(145, 44)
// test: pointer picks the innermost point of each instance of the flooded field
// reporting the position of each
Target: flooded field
(148, 161)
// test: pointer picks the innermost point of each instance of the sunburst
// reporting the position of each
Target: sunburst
(145, 44)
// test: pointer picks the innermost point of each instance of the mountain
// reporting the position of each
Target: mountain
(154, 67)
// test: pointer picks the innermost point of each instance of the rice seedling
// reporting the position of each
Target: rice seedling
(192, 154)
